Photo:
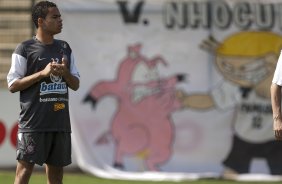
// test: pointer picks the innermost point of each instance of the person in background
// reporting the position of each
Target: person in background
(42, 70)
(275, 90)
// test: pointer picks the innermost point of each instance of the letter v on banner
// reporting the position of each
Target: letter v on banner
(131, 17)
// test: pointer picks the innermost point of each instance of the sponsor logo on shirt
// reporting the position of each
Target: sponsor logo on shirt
(57, 86)
(60, 88)
(59, 106)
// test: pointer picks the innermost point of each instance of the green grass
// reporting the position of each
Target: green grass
(7, 177)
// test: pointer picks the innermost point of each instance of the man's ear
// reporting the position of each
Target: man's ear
(40, 21)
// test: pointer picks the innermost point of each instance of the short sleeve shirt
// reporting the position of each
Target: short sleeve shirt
(253, 114)
(277, 78)
(44, 105)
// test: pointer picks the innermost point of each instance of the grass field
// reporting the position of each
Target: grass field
(7, 177)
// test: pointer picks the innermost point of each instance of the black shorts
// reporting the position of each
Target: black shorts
(52, 148)
(242, 153)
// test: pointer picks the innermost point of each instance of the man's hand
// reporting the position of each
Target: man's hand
(64, 67)
(58, 69)
(277, 127)
(47, 70)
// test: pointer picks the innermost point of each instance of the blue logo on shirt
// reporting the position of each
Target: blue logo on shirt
(60, 88)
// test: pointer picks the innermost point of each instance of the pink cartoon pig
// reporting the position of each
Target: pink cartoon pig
(142, 123)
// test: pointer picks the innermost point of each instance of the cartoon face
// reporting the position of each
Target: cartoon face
(247, 58)
(142, 75)
(245, 71)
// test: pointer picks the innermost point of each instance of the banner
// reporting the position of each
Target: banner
(174, 90)
(9, 109)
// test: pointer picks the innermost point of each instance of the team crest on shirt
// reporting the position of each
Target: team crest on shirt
(55, 78)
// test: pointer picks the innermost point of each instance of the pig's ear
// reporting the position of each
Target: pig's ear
(90, 99)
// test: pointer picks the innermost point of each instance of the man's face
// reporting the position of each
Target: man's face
(53, 23)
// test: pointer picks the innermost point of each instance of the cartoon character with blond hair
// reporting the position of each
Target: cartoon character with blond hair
(247, 61)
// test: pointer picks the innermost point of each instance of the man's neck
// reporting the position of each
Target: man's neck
(44, 38)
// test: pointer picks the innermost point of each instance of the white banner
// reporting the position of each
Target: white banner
(9, 109)
(177, 91)
(174, 90)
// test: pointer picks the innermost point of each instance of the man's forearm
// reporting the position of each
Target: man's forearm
(23, 83)
(275, 91)
(72, 81)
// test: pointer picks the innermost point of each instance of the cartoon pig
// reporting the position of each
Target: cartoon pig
(142, 123)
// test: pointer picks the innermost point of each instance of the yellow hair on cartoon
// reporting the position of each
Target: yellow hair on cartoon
(251, 44)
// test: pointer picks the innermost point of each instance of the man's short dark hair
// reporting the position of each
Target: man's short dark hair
(40, 10)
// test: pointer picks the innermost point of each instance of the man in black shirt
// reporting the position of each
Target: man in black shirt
(43, 69)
